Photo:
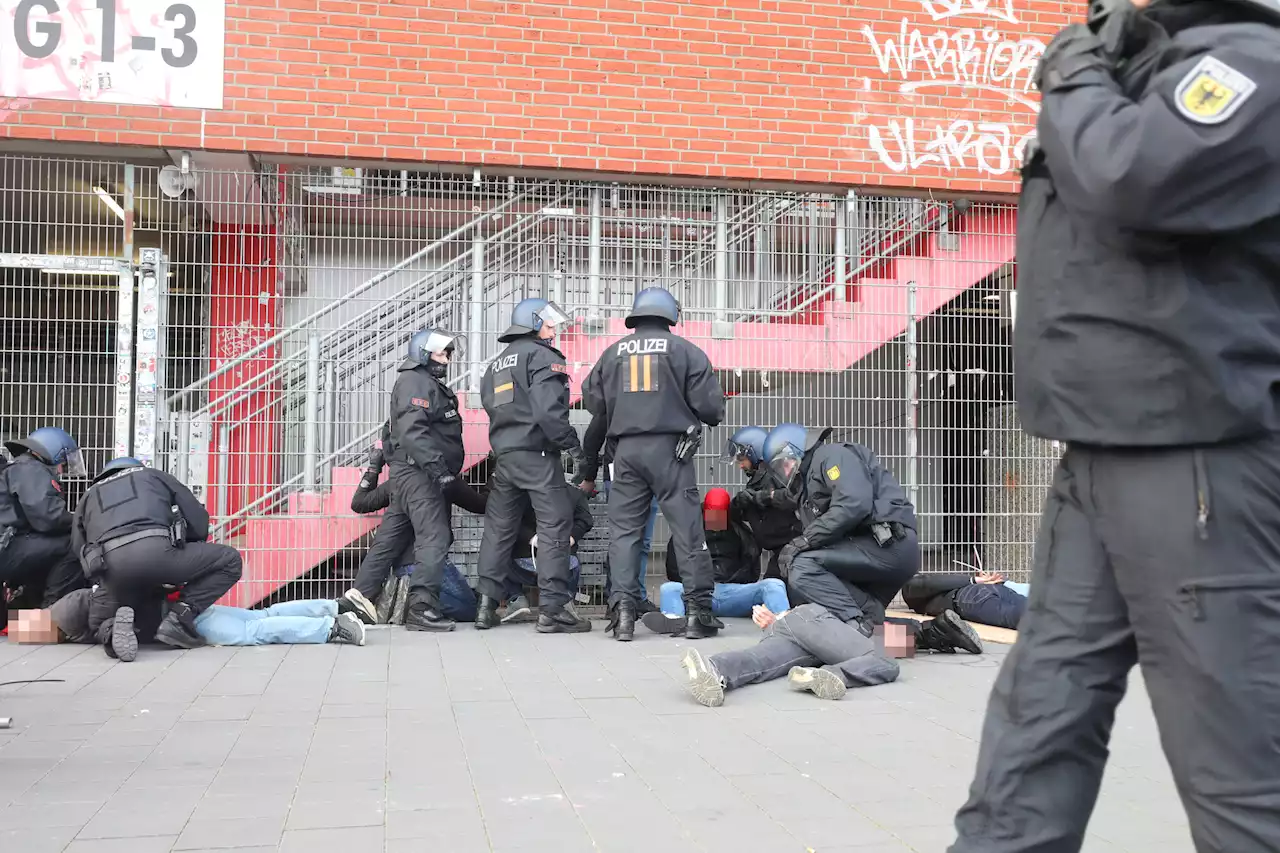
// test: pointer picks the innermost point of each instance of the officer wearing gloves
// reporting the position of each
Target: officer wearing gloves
(656, 391)
(425, 453)
(767, 511)
(35, 527)
(526, 393)
(1147, 340)
(138, 529)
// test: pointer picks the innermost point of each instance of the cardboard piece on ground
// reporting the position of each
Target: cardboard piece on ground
(988, 633)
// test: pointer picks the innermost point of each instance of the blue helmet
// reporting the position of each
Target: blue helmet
(654, 303)
(54, 446)
(426, 343)
(120, 463)
(747, 441)
(529, 316)
(785, 447)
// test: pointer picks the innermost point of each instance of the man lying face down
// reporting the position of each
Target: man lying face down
(93, 616)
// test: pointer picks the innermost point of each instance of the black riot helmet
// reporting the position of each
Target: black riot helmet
(429, 342)
(654, 303)
(120, 463)
(530, 315)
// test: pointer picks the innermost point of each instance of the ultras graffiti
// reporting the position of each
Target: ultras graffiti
(983, 61)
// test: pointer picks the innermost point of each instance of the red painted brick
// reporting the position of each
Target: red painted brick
(737, 89)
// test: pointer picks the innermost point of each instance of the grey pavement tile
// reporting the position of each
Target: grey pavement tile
(47, 815)
(153, 844)
(365, 839)
(438, 828)
(262, 804)
(42, 840)
(230, 832)
(343, 809)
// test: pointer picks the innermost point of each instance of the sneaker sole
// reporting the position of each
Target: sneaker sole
(123, 641)
(962, 631)
(367, 612)
(524, 614)
(430, 629)
(819, 682)
(561, 628)
(660, 623)
(704, 686)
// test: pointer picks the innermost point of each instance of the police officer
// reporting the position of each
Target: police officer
(768, 512)
(1148, 341)
(656, 390)
(138, 529)
(526, 393)
(425, 455)
(35, 526)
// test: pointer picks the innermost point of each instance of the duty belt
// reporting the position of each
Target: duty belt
(129, 538)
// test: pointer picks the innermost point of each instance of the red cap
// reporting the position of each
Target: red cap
(715, 499)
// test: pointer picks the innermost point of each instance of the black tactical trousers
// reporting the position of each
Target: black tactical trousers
(644, 467)
(540, 476)
(43, 566)
(855, 579)
(1169, 559)
(393, 537)
(204, 570)
(417, 497)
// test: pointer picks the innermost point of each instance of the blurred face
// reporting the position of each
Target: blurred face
(35, 627)
(715, 519)
(547, 332)
(897, 641)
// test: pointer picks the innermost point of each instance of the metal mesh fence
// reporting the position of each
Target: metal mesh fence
(289, 294)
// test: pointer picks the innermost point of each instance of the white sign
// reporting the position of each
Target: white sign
(165, 53)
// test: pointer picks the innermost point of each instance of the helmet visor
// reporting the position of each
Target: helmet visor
(785, 465)
(553, 315)
(734, 452)
(441, 342)
(74, 464)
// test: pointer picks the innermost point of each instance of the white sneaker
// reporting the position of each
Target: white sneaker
(820, 682)
(360, 605)
(705, 683)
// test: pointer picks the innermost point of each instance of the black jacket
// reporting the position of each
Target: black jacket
(135, 499)
(930, 594)
(734, 554)
(775, 523)
(32, 499)
(846, 490)
(526, 393)
(1149, 246)
(369, 499)
(653, 382)
(583, 521)
(426, 429)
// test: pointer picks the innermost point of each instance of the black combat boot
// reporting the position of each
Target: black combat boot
(487, 614)
(948, 632)
(622, 620)
(123, 644)
(662, 623)
(701, 623)
(425, 616)
(562, 621)
(178, 629)
(644, 606)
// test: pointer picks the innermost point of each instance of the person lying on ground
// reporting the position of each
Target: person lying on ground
(811, 647)
(985, 597)
(93, 616)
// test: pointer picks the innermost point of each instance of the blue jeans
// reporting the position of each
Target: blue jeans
(731, 599)
(291, 622)
(457, 599)
(524, 573)
(990, 604)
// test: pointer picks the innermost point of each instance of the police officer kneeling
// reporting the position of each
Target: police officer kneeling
(656, 390)
(138, 530)
(1148, 340)
(526, 393)
(858, 546)
(35, 526)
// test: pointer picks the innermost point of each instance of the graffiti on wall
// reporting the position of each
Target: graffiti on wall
(969, 49)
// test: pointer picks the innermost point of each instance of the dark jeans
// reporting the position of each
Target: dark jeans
(990, 604)
(808, 636)
(855, 579)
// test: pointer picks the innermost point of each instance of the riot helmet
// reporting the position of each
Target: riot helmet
(747, 443)
(53, 446)
(428, 346)
(530, 316)
(120, 463)
(786, 447)
(653, 303)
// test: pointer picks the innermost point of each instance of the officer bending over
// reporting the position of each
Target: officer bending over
(526, 393)
(35, 527)
(426, 456)
(1148, 340)
(138, 529)
(656, 390)
(767, 511)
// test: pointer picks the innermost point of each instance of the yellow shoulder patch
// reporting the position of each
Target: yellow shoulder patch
(1212, 92)
(833, 473)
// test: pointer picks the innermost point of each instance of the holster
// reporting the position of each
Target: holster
(687, 446)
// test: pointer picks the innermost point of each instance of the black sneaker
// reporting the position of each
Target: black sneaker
(354, 601)
(421, 618)
(347, 628)
(563, 621)
(661, 623)
(124, 642)
(958, 632)
(175, 631)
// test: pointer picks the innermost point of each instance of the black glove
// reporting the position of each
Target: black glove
(782, 499)
(788, 554)
(1074, 51)
(376, 459)
(744, 501)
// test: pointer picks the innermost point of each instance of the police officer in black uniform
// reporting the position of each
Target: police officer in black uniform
(656, 390)
(137, 530)
(1148, 339)
(767, 511)
(35, 526)
(526, 393)
(425, 455)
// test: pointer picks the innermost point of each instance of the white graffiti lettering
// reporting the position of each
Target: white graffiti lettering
(976, 59)
(988, 148)
(945, 10)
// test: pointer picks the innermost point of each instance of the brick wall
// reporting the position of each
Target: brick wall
(931, 93)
